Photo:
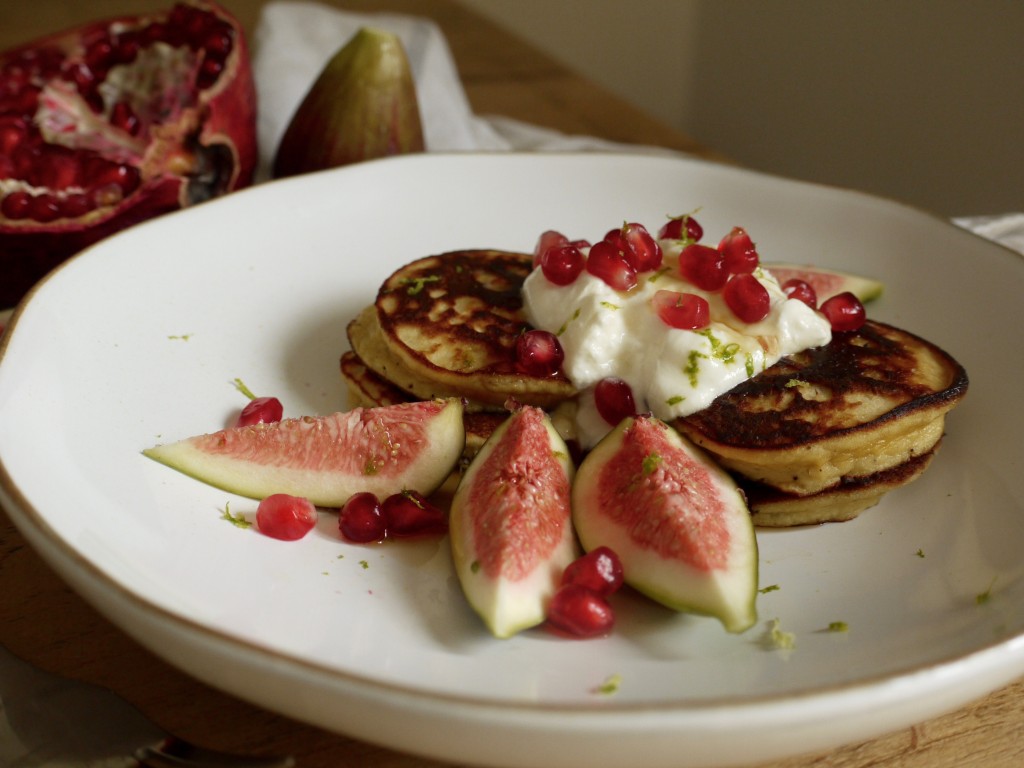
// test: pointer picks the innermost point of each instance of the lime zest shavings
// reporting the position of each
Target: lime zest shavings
(609, 686)
(236, 520)
(240, 386)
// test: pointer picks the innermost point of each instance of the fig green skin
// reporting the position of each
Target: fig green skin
(362, 106)
(828, 282)
(328, 459)
(509, 606)
(727, 593)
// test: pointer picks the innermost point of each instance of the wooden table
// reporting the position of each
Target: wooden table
(42, 620)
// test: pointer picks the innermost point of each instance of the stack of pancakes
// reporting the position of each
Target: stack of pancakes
(818, 437)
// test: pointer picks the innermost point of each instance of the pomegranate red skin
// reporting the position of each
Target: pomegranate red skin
(225, 115)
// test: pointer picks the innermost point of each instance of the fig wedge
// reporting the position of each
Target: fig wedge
(677, 521)
(327, 459)
(510, 523)
(362, 106)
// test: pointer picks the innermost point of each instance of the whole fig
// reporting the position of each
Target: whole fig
(362, 106)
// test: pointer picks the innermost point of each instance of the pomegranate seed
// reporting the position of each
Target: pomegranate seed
(285, 517)
(683, 227)
(747, 298)
(260, 410)
(539, 353)
(99, 54)
(360, 519)
(12, 133)
(614, 400)
(562, 264)
(549, 239)
(795, 288)
(74, 205)
(600, 570)
(703, 266)
(740, 253)
(686, 311)
(123, 116)
(209, 71)
(844, 311)
(43, 208)
(409, 514)
(16, 204)
(644, 248)
(607, 262)
(580, 612)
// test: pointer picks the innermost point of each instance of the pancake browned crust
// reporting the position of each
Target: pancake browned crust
(448, 324)
(867, 402)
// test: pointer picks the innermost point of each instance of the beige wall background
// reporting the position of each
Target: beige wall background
(917, 100)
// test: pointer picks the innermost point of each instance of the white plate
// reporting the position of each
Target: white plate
(138, 341)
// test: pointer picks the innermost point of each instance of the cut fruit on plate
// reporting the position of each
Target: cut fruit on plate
(827, 282)
(327, 459)
(510, 523)
(677, 521)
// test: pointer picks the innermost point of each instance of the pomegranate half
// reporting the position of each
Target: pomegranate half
(115, 122)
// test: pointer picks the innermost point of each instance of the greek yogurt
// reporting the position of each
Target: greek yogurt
(672, 372)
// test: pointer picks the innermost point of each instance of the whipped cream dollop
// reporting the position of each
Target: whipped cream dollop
(672, 372)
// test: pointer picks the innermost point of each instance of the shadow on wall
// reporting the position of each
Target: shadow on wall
(918, 100)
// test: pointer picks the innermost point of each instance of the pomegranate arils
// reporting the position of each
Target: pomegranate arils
(539, 353)
(580, 612)
(608, 263)
(740, 252)
(646, 253)
(561, 265)
(747, 298)
(260, 410)
(285, 517)
(795, 288)
(685, 311)
(844, 311)
(600, 570)
(614, 400)
(682, 228)
(548, 239)
(703, 266)
(360, 519)
(408, 514)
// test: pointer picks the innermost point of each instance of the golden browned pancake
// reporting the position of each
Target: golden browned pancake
(449, 324)
(867, 402)
(772, 508)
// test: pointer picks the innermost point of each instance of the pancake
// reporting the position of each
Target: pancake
(448, 324)
(772, 508)
(820, 436)
(867, 402)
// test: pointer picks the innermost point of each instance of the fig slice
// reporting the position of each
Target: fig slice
(677, 521)
(827, 282)
(510, 523)
(327, 459)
